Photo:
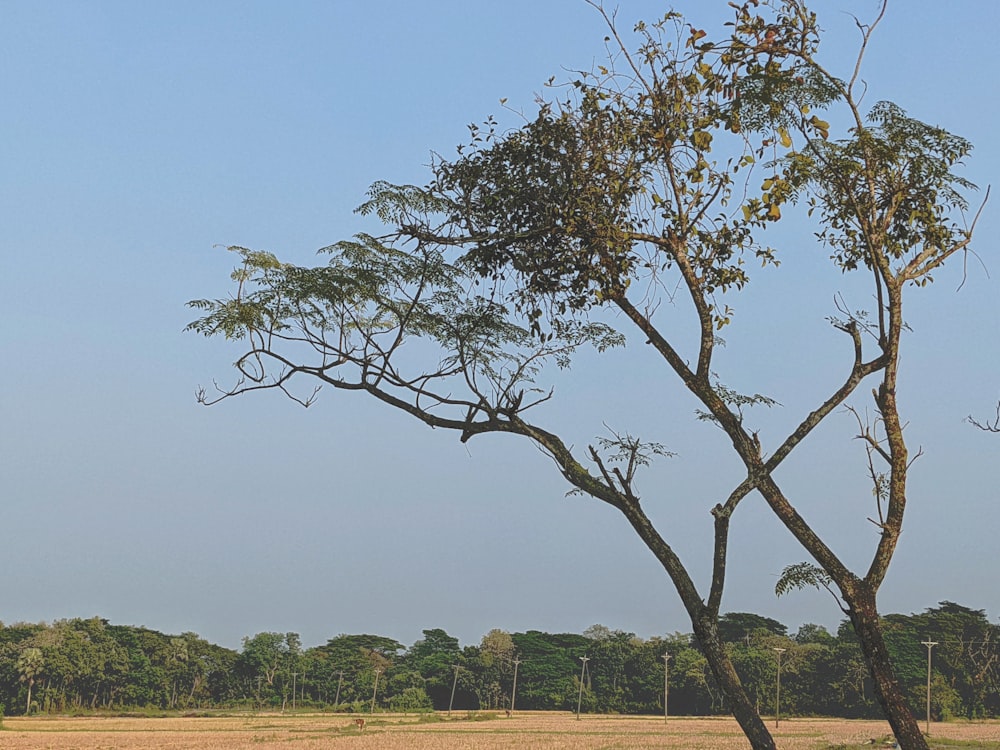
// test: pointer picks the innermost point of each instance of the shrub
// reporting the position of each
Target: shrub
(480, 716)
(411, 700)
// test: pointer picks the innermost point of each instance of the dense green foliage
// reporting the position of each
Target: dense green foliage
(80, 665)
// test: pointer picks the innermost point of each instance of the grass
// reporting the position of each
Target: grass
(481, 730)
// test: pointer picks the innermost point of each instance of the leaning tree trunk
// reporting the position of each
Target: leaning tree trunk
(868, 627)
(704, 618)
(707, 633)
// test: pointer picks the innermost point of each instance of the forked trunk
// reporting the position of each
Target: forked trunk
(729, 683)
(704, 620)
(868, 627)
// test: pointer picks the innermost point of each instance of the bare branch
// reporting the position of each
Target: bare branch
(986, 426)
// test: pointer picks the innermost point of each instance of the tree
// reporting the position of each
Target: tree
(609, 655)
(29, 665)
(434, 657)
(353, 659)
(656, 172)
(738, 626)
(495, 667)
(548, 677)
(265, 658)
(965, 658)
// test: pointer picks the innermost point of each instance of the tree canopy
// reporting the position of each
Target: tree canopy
(90, 664)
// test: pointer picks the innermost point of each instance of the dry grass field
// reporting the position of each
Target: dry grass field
(527, 731)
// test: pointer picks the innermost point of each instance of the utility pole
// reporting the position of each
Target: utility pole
(260, 704)
(378, 671)
(777, 689)
(293, 690)
(666, 684)
(583, 671)
(930, 645)
(454, 683)
(513, 689)
(336, 701)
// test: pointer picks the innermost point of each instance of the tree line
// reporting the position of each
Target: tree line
(89, 664)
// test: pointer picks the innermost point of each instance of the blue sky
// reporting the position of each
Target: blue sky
(139, 137)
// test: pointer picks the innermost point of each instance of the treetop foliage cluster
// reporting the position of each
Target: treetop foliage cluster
(89, 664)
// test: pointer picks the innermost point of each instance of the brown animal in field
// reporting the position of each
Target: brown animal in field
(360, 723)
(508, 713)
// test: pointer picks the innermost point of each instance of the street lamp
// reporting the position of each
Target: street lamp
(583, 671)
(777, 689)
(666, 685)
(930, 645)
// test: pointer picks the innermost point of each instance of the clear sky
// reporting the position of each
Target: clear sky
(137, 138)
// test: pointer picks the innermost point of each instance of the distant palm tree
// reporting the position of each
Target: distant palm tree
(29, 665)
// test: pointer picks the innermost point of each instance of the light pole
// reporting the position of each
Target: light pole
(513, 689)
(454, 682)
(930, 645)
(583, 671)
(374, 691)
(666, 684)
(777, 689)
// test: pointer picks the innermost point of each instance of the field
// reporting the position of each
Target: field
(527, 731)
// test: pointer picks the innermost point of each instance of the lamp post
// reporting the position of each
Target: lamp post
(777, 689)
(454, 682)
(583, 671)
(666, 684)
(513, 689)
(930, 645)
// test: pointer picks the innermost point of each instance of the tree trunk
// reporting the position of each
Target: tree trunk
(704, 620)
(868, 627)
(742, 709)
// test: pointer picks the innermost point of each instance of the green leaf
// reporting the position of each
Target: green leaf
(801, 575)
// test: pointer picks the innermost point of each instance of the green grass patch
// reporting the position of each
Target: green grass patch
(480, 716)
